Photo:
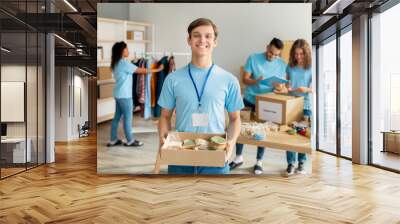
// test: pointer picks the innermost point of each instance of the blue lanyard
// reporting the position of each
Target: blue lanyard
(204, 85)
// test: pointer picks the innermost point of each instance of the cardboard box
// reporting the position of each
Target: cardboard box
(106, 90)
(104, 73)
(392, 142)
(280, 109)
(246, 114)
(242, 85)
(129, 35)
(187, 157)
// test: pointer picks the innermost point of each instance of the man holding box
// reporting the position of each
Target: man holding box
(200, 92)
(259, 69)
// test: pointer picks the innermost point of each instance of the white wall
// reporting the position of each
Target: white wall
(61, 103)
(67, 80)
(16, 73)
(113, 10)
(244, 28)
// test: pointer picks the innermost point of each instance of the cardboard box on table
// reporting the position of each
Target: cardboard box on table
(281, 109)
(246, 114)
(188, 157)
(104, 73)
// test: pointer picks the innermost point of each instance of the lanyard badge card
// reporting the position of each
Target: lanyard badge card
(200, 118)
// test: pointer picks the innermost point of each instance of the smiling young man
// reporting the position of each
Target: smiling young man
(200, 92)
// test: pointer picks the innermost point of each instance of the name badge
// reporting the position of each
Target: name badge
(200, 120)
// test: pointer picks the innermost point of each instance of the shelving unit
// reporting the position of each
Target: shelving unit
(139, 37)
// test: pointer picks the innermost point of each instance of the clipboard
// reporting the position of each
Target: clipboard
(273, 79)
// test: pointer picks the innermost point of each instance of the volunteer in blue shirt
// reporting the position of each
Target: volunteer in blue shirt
(200, 92)
(299, 76)
(260, 66)
(123, 70)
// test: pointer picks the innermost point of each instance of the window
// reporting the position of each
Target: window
(385, 87)
(327, 97)
(346, 94)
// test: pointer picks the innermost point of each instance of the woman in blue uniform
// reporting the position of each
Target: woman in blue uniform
(299, 75)
(123, 70)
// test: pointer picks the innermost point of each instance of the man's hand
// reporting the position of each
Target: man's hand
(229, 150)
(260, 78)
(282, 91)
(162, 141)
(301, 90)
(233, 132)
(164, 125)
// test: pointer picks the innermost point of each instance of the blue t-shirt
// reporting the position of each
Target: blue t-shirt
(258, 65)
(300, 77)
(122, 73)
(222, 91)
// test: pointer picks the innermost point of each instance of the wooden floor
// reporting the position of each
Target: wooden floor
(70, 191)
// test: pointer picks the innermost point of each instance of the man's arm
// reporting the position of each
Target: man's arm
(233, 131)
(248, 80)
(164, 124)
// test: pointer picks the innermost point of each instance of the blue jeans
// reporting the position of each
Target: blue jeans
(239, 147)
(172, 169)
(291, 156)
(123, 108)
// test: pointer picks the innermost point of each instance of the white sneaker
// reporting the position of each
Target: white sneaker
(290, 170)
(300, 169)
(258, 169)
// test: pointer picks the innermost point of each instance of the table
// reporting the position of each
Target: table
(13, 150)
(281, 140)
(276, 140)
(391, 141)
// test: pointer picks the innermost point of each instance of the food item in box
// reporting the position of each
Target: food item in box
(291, 132)
(215, 146)
(253, 130)
(201, 144)
(259, 137)
(302, 132)
(218, 140)
(217, 143)
(188, 144)
(270, 126)
(284, 128)
(175, 144)
(200, 141)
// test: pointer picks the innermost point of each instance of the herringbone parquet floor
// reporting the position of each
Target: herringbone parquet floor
(70, 191)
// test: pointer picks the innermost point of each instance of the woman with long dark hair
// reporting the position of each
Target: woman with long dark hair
(123, 70)
(299, 74)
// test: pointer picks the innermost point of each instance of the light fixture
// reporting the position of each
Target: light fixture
(86, 72)
(65, 41)
(5, 50)
(70, 5)
(337, 7)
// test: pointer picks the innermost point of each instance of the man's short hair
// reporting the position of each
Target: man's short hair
(202, 22)
(276, 43)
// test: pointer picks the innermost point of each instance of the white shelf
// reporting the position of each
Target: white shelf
(106, 81)
(138, 41)
(108, 41)
(107, 20)
(128, 41)
(139, 23)
(105, 100)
